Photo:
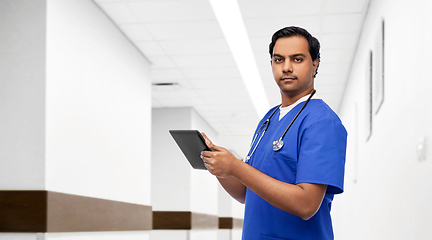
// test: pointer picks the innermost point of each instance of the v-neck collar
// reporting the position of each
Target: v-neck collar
(284, 110)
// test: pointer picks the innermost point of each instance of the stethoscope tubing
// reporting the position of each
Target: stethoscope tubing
(278, 143)
(264, 126)
(298, 113)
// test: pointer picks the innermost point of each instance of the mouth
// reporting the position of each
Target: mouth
(288, 78)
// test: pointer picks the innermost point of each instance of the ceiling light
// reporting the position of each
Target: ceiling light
(231, 22)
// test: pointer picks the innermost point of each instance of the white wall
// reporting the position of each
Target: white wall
(204, 186)
(175, 185)
(170, 235)
(75, 101)
(22, 94)
(138, 235)
(98, 112)
(76, 106)
(228, 207)
(98, 107)
(171, 171)
(387, 188)
(21, 236)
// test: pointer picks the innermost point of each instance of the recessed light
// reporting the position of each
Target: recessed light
(166, 86)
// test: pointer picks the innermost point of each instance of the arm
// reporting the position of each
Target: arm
(232, 186)
(303, 199)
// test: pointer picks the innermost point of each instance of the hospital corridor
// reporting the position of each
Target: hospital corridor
(89, 90)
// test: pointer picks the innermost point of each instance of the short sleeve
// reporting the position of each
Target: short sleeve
(322, 151)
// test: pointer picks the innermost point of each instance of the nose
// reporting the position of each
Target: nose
(287, 67)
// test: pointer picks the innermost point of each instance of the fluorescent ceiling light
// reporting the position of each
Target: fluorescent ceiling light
(230, 20)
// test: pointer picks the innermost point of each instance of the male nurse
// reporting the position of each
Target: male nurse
(288, 192)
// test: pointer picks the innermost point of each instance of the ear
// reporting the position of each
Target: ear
(315, 64)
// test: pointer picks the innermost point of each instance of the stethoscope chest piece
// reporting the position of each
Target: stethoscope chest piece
(277, 144)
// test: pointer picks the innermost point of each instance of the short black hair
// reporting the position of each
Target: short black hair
(314, 45)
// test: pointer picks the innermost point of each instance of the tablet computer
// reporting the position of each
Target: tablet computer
(191, 143)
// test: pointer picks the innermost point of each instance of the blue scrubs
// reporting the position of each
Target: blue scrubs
(314, 152)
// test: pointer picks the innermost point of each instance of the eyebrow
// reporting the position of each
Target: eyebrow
(291, 56)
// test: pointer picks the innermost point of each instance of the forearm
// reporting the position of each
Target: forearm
(234, 188)
(302, 200)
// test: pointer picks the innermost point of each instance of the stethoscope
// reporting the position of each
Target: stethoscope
(278, 143)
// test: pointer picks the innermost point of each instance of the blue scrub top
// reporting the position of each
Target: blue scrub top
(314, 152)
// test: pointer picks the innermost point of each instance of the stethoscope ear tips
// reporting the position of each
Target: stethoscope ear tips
(277, 145)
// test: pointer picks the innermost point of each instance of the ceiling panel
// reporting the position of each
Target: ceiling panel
(185, 45)
(213, 73)
(161, 62)
(172, 11)
(150, 48)
(204, 61)
(275, 8)
(166, 75)
(234, 83)
(136, 32)
(119, 12)
(344, 6)
(206, 29)
(265, 27)
(195, 47)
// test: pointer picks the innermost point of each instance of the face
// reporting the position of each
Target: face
(292, 66)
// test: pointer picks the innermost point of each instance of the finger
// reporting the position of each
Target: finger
(208, 166)
(207, 140)
(206, 154)
(209, 157)
(217, 148)
(210, 144)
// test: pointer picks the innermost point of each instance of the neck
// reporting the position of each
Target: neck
(288, 99)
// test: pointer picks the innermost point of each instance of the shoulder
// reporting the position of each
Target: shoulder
(319, 112)
(321, 108)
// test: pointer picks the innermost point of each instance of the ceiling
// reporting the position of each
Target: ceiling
(185, 44)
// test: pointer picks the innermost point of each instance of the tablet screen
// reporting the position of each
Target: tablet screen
(191, 143)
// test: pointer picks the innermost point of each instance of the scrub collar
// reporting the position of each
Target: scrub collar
(284, 110)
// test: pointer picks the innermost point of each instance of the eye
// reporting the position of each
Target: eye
(298, 59)
(277, 60)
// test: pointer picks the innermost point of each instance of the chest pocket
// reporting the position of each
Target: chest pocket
(281, 166)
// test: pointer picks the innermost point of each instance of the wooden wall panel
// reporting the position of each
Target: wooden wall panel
(183, 220)
(71, 213)
(46, 211)
(172, 220)
(225, 223)
(230, 223)
(204, 221)
(23, 211)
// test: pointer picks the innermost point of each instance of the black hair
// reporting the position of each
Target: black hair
(314, 45)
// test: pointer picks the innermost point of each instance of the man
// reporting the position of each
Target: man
(288, 192)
